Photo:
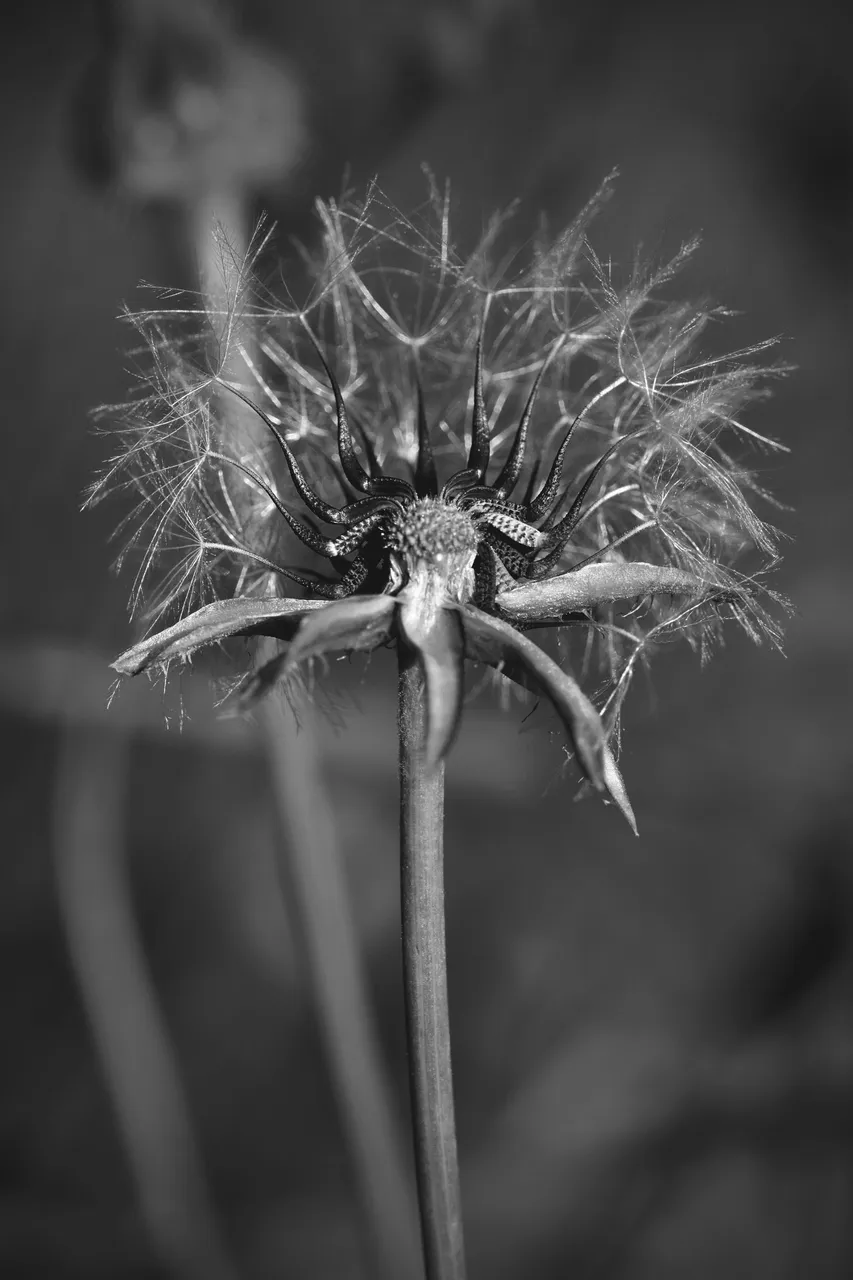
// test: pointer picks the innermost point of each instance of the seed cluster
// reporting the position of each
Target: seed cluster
(430, 529)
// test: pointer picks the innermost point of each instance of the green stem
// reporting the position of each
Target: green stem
(425, 977)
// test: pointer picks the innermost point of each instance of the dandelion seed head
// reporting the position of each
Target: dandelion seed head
(434, 539)
(432, 528)
(636, 437)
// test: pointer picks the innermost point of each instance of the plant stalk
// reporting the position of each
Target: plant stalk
(425, 979)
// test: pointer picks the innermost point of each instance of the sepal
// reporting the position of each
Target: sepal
(268, 616)
(550, 600)
(491, 640)
(358, 623)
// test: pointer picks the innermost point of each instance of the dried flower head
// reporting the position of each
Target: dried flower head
(447, 453)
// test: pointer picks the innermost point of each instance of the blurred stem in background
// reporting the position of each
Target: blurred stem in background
(425, 976)
(313, 870)
(194, 116)
(314, 875)
(130, 1035)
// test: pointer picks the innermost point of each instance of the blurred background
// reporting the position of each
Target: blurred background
(653, 1040)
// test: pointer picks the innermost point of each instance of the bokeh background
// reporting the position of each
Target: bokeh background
(653, 1045)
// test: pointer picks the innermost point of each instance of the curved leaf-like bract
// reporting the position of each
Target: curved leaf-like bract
(436, 637)
(357, 623)
(549, 600)
(491, 640)
(269, 615)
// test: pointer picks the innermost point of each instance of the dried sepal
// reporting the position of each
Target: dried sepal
(270, 616)
(551, 600)
(351, 626)
(491, 640)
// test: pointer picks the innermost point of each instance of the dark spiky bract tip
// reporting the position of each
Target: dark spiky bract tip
(572, 442)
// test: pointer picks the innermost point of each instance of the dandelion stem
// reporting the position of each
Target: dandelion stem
(425, 977)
